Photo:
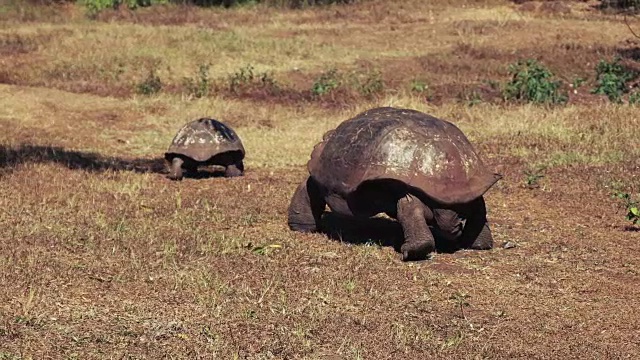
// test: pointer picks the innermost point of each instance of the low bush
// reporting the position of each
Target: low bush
(532, 82)
(611, 79)
(200, 85)
(150, 85)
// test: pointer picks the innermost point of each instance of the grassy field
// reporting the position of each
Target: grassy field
(102, 257)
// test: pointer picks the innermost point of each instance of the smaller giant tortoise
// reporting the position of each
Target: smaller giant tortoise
(416, 168)
(205, 142)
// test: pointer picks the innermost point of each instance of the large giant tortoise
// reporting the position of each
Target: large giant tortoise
(416, 168)
(205, 142)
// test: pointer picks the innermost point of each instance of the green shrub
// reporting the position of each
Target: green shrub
(470, 97)
(369, 83)
(419, 86)
(225, 3)
(631, 206)
(241, 77)
(627, 5)
(95, 6)
(611, 79)
(199, 86)
(245, 79)
(533, 176)
(151, 85)
(326, 83)
(533, 82)
(276, 3)
(634, 98)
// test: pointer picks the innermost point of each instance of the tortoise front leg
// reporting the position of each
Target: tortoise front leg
(306, 207)
(476, 234)
(484, 240)
(234, 170)
(175, 170)
(418, 239)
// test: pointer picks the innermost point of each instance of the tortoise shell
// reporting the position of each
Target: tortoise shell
(424, 152)
(203, 139)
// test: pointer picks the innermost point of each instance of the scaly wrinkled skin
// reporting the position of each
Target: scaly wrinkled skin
(175, 170)
(416, 218)
(477, 234)
(306, 208)
(234, 170)
(413, 215)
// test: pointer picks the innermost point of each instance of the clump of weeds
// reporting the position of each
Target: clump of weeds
(612, 79)
(368, 83)
(200, 85)
(630, 204)
(150, 85)
(533, 82)
(326, 83)
(246, 80)
(533, 176)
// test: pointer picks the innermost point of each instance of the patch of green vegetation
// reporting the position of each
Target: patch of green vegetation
(470, 97)
(275, 3)
(263, 249)
(626, 5)
(326, 83)
(246, 79)
(243, 76)
(419, 86)
(533, 82)
(150, 85)
(368, 83)
(532, 176)
(634, 98)
(577, 82)
(631, 206)
(611, 79)
(95, 6)
(200, 85)
(365, 83)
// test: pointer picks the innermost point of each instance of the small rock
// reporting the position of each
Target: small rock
(509, 245)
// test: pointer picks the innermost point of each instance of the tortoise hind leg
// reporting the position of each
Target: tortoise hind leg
(235, 169)
(419, 241)
(306, 207)
(175, 169)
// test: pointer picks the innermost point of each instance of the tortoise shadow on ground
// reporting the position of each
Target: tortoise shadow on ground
(204, 173)
(12, 157)
(380, 231)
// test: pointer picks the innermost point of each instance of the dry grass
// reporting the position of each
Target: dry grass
(102, 257)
